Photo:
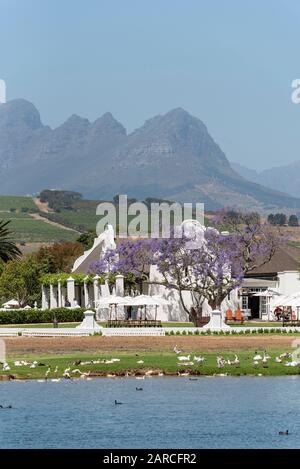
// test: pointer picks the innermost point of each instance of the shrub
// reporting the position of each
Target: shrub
(34, 316)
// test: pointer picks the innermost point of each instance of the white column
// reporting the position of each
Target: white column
(96, 288)
(120, 285)
(86, 292)
(63, 296)
(45, 297)
(59, 293)
(71, 290)
(53, 296)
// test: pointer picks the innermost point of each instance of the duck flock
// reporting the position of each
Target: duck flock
(258, 359)
(56, 375)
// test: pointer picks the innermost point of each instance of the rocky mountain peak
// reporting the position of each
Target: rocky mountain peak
(19, 113)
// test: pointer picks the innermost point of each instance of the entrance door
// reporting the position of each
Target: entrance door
(253, 305)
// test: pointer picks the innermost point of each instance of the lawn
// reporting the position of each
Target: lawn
(160, 362)
(258, 324)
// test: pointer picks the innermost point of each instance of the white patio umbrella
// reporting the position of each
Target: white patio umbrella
(147, 300)
(293, 301)
(267, 293)
(11, 304)
(279, 301)
(112, 300)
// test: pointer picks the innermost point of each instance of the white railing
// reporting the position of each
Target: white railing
(10, 331)
(133, 331)
(49, 332)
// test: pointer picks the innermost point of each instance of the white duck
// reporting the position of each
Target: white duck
(236, 360)
(184, 359)
(292, 363)
(198, 359)
(257, 357)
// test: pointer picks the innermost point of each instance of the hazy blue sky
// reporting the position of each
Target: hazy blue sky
(228, 62)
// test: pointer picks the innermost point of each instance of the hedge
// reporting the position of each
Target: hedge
(34, 316)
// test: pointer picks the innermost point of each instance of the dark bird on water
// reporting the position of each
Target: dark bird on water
(284, 433)
(118, 403)
(138, 389)
(7, 407)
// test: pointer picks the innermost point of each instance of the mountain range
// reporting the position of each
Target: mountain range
(284, 178)
(171, 156)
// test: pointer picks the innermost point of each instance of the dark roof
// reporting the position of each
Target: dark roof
(285, 258)
(95, 256)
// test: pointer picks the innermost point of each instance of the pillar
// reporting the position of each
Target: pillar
(96, 289)
(120, 285)
(86, 292)
(53, 296)
(45, 297)
(59, 294)
(63, 296)
(71, 291)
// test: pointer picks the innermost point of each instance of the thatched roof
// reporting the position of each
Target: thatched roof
(285, 259)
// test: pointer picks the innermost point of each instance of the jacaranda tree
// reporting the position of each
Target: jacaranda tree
(209, 269)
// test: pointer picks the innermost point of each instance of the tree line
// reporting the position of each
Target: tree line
(281, 219)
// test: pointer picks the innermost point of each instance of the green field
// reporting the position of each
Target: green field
(160, 362)
(81, 220)
(29, 230)
(8, 202)
(14, 215)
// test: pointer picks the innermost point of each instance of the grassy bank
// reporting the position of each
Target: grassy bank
(166, 363)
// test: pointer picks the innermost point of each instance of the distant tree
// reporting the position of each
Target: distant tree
(280, 219)
(293, 220)
(24, 209)
(8, 248)
(59, 200)
(12, 210)
(87, 239)
(59, 257)
(20, 279)
(271, 219)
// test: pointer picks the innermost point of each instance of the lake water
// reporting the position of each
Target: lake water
(169, 413)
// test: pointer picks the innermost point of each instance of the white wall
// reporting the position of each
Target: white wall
(175, 311)
(289, 282)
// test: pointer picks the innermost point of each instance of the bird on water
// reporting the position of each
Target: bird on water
(284, 433)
